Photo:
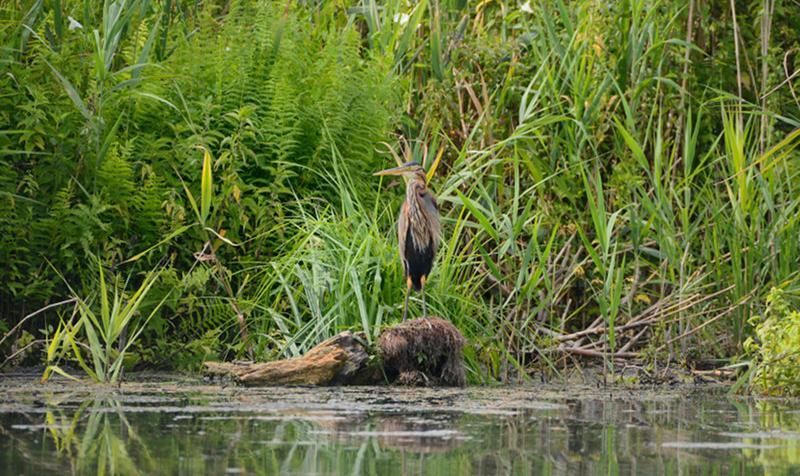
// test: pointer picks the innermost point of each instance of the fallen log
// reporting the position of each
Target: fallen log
(421, 352)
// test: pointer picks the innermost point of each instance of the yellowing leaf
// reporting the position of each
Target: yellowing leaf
(206, 187)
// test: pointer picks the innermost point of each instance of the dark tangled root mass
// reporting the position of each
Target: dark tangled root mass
(427, 351)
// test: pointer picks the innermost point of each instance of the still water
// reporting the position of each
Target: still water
(169, 425)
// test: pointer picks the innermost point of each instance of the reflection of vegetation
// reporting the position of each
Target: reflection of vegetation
(99, 439)
(776, 348)
(780, 437)
(591, 437)
(100, 444)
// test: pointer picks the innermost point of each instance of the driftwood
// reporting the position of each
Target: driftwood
(422, 352)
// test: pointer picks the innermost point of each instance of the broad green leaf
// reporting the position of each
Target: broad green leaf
(99, 355)
(71, 92)
(166, 239)
(55, 340)
(189, 196)
(633, 145)
(105, 314)
(54, 368)
(485, 224)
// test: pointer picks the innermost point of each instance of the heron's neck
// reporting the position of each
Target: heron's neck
(415, 187)
(419, 220)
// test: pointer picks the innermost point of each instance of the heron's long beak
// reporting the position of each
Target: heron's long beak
(394, 171)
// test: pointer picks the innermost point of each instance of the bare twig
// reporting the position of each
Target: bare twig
(766, 32)
(685, 79)
(594, 353)
(708, 322)
(20, 351)
(633, 340)
(736, 49)
(602, 330)
(34, 314)
(789, 77)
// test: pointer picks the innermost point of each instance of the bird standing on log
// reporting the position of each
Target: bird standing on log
(418, 229)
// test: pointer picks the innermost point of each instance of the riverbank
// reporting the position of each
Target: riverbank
(614, 180)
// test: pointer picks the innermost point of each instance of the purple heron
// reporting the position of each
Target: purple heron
(418, 229)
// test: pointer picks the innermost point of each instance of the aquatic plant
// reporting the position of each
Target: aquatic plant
(109, 331)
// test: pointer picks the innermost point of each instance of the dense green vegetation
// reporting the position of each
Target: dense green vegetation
(614, 177)
(774, 348)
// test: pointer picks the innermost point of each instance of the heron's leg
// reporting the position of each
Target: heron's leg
(405, 304)
(424, 305)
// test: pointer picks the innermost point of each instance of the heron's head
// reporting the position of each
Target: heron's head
(408, 170)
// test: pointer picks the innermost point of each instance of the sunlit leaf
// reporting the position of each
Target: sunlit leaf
(206, 187)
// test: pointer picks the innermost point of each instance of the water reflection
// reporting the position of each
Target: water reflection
(383, 431)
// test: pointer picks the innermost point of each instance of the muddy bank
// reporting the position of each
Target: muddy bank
(23, 387)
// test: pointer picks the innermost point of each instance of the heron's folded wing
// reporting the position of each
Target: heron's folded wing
(402, 233)
(430, 201)
(432, 212)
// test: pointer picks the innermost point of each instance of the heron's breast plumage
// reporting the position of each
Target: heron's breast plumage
(418, 232)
